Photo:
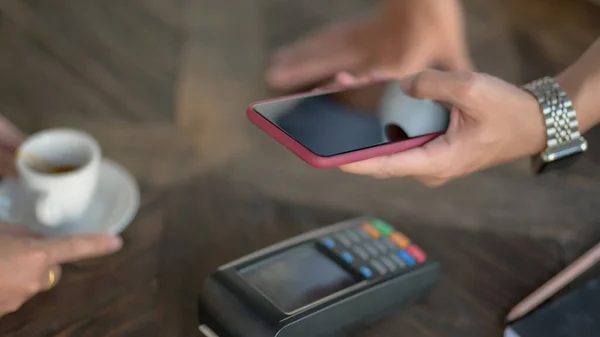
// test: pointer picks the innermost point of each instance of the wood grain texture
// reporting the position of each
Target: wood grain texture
(502, 199)
(94, 58)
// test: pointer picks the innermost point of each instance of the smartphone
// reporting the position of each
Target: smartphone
(329, 128)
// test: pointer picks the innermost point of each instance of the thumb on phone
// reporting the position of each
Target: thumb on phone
(450, 87)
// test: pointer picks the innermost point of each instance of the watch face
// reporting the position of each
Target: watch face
(539, 166)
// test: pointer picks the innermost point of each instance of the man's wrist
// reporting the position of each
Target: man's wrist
(574, 86)
(581, 82)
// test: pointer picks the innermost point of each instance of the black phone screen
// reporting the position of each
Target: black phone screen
(335, 122)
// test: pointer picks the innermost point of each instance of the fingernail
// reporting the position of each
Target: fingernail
(115, 243)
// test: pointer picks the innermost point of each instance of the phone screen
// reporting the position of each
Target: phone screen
(336, 122)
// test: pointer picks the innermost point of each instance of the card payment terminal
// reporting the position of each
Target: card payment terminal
(322, 283)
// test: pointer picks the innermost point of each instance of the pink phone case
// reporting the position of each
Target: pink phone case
(334, 161)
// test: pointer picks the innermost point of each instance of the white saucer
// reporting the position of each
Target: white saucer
(114, 206)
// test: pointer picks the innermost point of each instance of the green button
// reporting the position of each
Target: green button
(383, 227)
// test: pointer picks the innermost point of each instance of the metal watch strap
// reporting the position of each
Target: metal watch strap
(563, 137)
(559, 114)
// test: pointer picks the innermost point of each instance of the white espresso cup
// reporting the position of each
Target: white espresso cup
(58, 172)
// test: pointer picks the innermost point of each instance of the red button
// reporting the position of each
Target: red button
(417, 253)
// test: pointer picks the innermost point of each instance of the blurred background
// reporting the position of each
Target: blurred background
(158, 61)
(164, 85)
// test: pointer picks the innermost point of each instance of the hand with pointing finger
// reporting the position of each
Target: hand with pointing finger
(30, 264)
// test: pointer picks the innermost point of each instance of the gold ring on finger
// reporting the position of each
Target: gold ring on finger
(51, 278)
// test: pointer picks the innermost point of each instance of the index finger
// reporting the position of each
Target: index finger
(75, 248)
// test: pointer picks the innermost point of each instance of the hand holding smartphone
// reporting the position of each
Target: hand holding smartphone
(335, 127)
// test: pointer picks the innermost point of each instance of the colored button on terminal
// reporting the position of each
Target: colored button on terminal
(374, 233)
(400, 240)
(417, 253)
(366, 272)
(347, 257)
(384, 228)
(404, 255)
(329, 243)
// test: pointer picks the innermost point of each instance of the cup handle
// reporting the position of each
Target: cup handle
(46, 212)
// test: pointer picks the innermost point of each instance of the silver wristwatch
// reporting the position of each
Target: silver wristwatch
(564, 141)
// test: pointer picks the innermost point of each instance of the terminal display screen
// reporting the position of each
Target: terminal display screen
(298, 277)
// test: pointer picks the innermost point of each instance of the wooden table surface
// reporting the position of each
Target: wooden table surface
(179, 237)
(163, 86)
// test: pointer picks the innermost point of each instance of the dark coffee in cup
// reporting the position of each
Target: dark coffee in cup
(59, 169)
(51, 166)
